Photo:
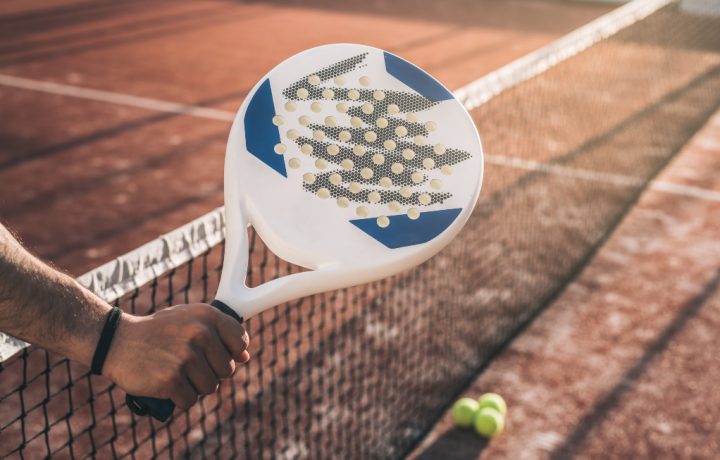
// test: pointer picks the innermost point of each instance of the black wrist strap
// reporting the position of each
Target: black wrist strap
(112, 320)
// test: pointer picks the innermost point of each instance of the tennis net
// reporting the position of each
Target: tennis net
(573, 134)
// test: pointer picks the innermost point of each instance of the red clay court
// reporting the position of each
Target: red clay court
(584, 289)
(130, 174)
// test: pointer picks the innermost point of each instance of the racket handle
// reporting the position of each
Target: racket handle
(162, 409)
(159, 409)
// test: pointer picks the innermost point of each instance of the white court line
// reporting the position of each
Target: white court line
(223, 115)
(606, 178)
(115, 98)
(471, 95)
(558, 170)
(685, 190)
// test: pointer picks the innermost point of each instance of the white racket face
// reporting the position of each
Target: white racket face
(348, 156)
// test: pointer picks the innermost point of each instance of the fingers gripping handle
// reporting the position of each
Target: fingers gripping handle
(236, 249)
(162, 409)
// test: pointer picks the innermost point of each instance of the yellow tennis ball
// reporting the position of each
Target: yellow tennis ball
(464, 410)
(493, 400)
(489, 422)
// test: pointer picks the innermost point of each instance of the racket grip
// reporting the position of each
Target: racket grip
(159, 409)
(162, 409)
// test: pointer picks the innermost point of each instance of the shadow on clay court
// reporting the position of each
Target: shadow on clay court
(514, 14)
(128, 127)
(146, 24)
(17, 49)
(613, 398)
(455, 444)
(698, 41)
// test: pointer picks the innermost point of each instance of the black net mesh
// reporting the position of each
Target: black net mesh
(364, 372)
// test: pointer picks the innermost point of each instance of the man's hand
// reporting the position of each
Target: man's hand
(178, 353)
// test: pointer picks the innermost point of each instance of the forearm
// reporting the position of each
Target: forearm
(177, 353)
(45, 307)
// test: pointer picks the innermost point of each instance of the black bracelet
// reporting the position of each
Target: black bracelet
(111, 324)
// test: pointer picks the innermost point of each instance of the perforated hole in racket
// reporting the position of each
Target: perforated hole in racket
(364, 145)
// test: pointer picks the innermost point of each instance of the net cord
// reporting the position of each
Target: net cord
(480, 91)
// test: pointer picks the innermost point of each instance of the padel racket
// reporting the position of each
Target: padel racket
(349, 161)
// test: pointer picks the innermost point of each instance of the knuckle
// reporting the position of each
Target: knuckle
(170, 379)
(199, 334)
(204, 310)
(186, 357)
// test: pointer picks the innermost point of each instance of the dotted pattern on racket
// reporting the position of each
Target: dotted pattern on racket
(372, 149)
